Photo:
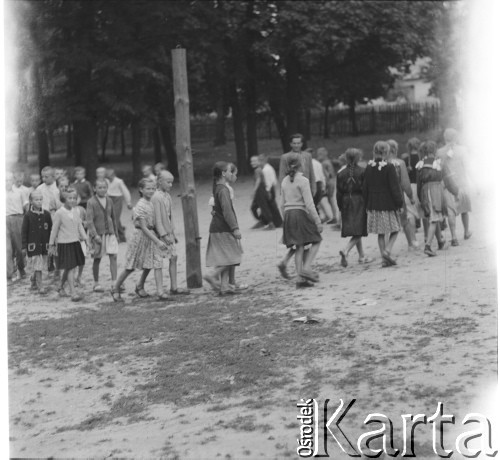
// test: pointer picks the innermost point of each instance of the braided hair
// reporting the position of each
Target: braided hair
(293, 163)
(219, 168)
(352, 157)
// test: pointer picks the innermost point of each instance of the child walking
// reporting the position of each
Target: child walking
(68, 231)
(301, 222)
(101, 225)
(145, 249)
(352, 206)
(36, 229)
(224, 247)
(383, 198)
(431, 194)
(164, 225)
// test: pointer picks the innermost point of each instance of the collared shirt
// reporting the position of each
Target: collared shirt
(50, 195)
(269, 174)
(319, 174)
(117, 187)
(25, 193)
(13, 202)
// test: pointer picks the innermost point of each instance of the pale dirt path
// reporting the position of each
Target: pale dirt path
(431, 335)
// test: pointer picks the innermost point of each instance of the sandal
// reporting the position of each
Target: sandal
(454, 242)
(387, 257)
(227, 292)
(309, 275)
(365, 260)
(283, 272)
(343, 259)
(62, 292)
(98, 288)
(303, 284)
(76, 298)
(163, 296)
(239, 287)
(141, 292)
(179, 291)
(116, 295)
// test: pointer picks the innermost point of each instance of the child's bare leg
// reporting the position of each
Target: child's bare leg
(287, 257)
(95, 270)
(231, 274)
(425, 223)
(299, 260)
(381, 243)
(80, 271)
(159, 280)
(452, 222)
(309, 257)
(71, 281)
(123, 276)
(409, 230)
(439, 236)
(465, 222)
(64, 278)
(38, 279)
(359, 247)
(392, 239)
(432, 230)
(142, 279)
(113, 266)
(350, 244)
(224, 279)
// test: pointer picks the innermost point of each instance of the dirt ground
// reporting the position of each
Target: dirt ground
(207, 377)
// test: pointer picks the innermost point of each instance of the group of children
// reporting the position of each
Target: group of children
(53, 223)
(56, 220)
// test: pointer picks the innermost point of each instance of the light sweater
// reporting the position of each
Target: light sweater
(162, 205)
(50, 197)
(67, 226)
(117, 187)
(297, 195)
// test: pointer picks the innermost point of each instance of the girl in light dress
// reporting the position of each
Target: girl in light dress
(144, 250)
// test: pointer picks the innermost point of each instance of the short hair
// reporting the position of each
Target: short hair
(33, 193)
(18, 174)
(47, 170)
(109, 170)
(145, 181)
(160, 165)
(79, 169)
(64, 193)
(233, 168)
(34, 175)
(166, 174)
(450, 135)
(146, 166)
(295, 136)
(100, 181)
(413, 144)
(102, 168)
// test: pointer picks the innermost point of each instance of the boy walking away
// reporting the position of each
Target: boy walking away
(82, 187)
(102, 228)
(37, 225)
(164, 226)
(270, 183)
(14, 211)
(118, 192)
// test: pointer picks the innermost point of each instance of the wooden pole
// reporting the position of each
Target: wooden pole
(185, 165)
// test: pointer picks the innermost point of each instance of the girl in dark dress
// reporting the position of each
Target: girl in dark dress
(383, 199)
(352, 206)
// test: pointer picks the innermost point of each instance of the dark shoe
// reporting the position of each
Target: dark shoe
(257, 225)
(228, 292)
(179, 291)
(441, 245)
(387, 257)
(283, 272)
(385, 264)
(467, 235)
(141, 292)
(444, 225)
(76, 298)
(33, 282)
(343, 259)
(303, 284)
(309, 275)
(454, 242)
(22, 273)
(270, 227)
(116, 295)
(429, 251)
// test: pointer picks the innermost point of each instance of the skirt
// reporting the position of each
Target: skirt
(223, 250)
(299, 229)
(37, 263)
(142, 253)
(383, 222)
(107, 246)
(70, 255)
(458, 205)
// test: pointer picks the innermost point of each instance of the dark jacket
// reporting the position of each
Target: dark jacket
(349, 184)
(428, 174)
(36, 232)
(381, 189)
(101, 221)
(224, 218)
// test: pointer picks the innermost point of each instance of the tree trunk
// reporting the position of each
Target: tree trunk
(115, 138)
(326, 120)
(239, 134)
(104, 142)
(23, 140)
(77, 149)
(279, 119)
(87, 146)
(43, 147)
(251, 109)
(52, 147)
(157, 144)
(136, 151)
(220, 123)
(293, 94)
(307, 124)
(352, 115)
(122, 140)
(168, 145)
(69, 141)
